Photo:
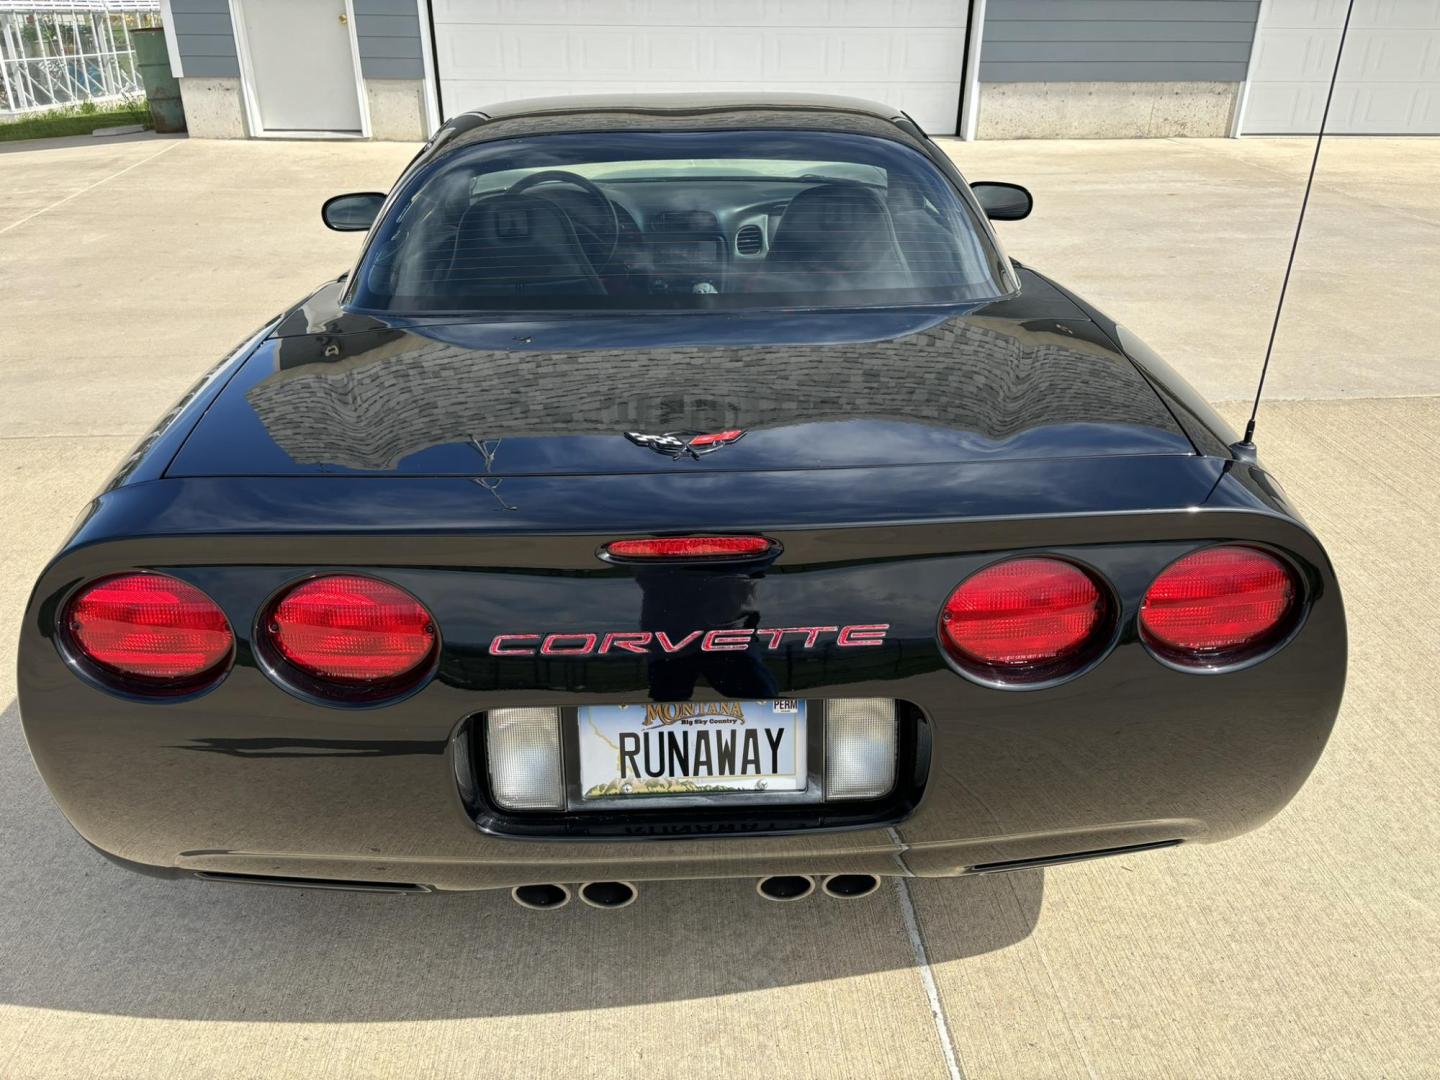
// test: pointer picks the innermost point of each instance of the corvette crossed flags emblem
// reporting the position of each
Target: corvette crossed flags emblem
(692, 444)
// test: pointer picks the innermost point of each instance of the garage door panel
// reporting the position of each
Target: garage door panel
(1390, 56)
(795, 55)
(1389, 77)
(1395, 107)
(450, 12)
(707, 13)
(465, 51)
(908, 53)
(1304, 13)
(929, 56)
(938, 13)
(1282, 107)
(601, 54)
(1297, 55)
(861, 55)
(677, 55)
(738, 53)
(542, 54)
(1389, 13)
(1428, 109)
(726, 55)
(805, 13)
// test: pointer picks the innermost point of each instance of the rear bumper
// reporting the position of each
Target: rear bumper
(1131, 753)
(879, 858)
(249, 779)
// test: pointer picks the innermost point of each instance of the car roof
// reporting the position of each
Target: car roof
(684, 103)
(672, 112)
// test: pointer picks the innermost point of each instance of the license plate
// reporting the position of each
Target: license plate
(668, 749)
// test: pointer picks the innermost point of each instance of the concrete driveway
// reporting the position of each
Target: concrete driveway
(1308, 948)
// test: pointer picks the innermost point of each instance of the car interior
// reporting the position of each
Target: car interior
(684, 232)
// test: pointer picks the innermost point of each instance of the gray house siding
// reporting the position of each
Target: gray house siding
(205, 38)
(388, 34)
(1048, 68)
(1050, 41)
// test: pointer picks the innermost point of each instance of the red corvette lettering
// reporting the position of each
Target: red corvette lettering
(812, 634)
(726, 639)
(499, 648)
(871, 635)
(585, 648)
(669, 646)
(631, 642)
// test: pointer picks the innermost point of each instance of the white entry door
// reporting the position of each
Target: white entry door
(301, 65)
(1389, 80)
(906, 53)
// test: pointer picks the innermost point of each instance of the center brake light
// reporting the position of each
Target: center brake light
(1026, 621)
(352, 635)
(690, 547)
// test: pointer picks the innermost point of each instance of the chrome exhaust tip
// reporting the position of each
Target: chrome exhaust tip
(782, 888)
(608, 894)
(540, 897)
(849, 886)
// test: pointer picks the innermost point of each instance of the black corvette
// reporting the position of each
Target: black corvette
(679, 487)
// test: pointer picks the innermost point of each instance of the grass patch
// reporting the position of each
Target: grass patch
(79, 119)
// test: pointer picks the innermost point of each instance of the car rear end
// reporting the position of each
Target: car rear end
(1035, 714)
(569, 539)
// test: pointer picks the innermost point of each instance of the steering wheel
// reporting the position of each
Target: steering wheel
(602, 242)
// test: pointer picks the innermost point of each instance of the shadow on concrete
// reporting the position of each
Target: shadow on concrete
(80, 934)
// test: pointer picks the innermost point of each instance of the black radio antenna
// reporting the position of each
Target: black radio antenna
(1247, 445)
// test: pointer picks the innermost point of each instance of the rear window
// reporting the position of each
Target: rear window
(666, 220)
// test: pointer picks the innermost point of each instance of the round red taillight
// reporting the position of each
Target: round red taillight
(1025, 621)
(1219, 606)
(148, 632)
(352, 632)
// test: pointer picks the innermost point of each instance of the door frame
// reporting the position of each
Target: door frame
(252, 100)
(1237, 118)
(969, 119)
(430, 60)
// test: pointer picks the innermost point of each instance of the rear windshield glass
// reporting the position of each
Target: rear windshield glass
(645, 220)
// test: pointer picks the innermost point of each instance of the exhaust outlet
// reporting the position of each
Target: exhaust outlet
(608, 894)
(540, 897)
(783, 888)
(849, 886)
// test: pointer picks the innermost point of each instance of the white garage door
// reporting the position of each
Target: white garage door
(1389, 78)
(906, 53)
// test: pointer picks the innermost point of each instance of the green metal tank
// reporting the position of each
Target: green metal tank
(162, 89)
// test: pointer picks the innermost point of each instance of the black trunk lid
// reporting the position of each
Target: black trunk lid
(1024, 379)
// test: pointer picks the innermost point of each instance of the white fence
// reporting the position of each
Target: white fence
(59, 53)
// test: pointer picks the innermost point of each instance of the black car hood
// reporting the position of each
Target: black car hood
(1029, 377)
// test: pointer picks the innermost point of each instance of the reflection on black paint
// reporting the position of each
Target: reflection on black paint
(677, 601)
(1007, 381)
(298, 748)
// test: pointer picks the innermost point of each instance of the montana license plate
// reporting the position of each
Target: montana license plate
(692, 748)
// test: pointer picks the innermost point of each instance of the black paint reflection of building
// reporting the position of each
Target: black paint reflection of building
(369, 400)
